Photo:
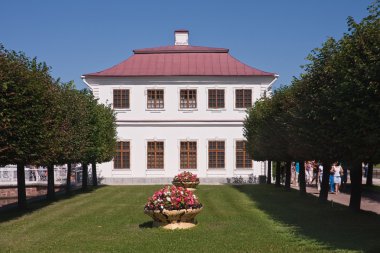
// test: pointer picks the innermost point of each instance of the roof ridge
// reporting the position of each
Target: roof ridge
(180, 49)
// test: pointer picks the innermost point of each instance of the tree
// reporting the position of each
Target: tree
(25, 86)
(74, 127)
(101, 134)
(328, 113)
(269, 172)
(103, 138)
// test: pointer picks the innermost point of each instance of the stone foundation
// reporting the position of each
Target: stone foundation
(159, 181)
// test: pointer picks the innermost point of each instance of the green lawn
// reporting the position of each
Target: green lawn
(250, 218)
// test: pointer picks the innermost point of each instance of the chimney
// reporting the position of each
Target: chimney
(181, 37)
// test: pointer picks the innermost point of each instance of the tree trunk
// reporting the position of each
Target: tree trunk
(21, 191)
(325, 181)
(84, 176)
(369, 181)
(68, 179)
(94, 175)
(269, 173)
(278, 174)
(288, 173)
(301, 178)
(50, 186)
(356, 186)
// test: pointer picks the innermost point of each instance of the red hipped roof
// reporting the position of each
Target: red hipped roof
(180, 61)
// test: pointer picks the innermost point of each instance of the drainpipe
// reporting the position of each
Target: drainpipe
(84, 80)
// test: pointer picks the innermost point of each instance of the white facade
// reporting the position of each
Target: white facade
(138, 125)
(171, 69)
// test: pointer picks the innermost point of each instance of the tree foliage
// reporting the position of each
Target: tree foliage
(331, 112)
(46, 122)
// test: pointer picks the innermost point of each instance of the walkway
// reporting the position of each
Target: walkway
(370, 200)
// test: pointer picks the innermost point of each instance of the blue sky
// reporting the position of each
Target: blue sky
(77, 37)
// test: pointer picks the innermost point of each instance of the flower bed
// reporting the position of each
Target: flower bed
(173, 207)
(186, 179)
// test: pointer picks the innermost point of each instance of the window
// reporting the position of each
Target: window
(155, 99)
(120, 99)
(188, 155)
(155, 155)
(216, 151)
(215, 99)
(122, 156)
(243, 158)
(243, 98)
(188, 99)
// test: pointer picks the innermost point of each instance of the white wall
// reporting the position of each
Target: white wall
(139, 124)
(103, 89)
(172, 135)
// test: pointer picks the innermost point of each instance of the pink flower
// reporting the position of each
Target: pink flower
(172, 198)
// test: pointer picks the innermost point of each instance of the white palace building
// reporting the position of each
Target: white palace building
(179, 108)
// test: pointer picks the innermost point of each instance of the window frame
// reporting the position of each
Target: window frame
(245, 155)
(235, 98)
(129, 99)
(208, 155)
(121, 156)
(155, 168)
(147, 97)
(179, 99)
(188, 151)
(208, 99)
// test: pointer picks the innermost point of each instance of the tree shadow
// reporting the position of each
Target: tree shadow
(11, 211)
(331, 224)
(370, 192)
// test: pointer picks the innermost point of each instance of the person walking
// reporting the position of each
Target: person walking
(309, 169)
(337, 170)
(365, 167)
(314, 169)
(320, 175)
(331, 179)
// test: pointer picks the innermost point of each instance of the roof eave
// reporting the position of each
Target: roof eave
(101, 75)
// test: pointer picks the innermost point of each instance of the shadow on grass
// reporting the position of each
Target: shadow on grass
(11, 211)
(147, 224)
(331, 224)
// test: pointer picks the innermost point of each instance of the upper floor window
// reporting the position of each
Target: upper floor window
(120, 98)
(188, 99)
(243, 98)
(216, 154)
(122, 156)
(155, 155)
(188, 155)
(155, 99)
(215, 98)
(243, 158)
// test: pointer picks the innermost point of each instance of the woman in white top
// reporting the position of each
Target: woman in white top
(320, 175)
(337, 170)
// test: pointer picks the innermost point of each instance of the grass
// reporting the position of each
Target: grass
(248, 218)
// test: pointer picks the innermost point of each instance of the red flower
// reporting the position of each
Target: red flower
(172, 198)
(186, 176)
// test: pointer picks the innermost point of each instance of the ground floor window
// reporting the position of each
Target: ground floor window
(216, 154)
(243, 158)
(122, 156)
(188, 155)
(155, 155)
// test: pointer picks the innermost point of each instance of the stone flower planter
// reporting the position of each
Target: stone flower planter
(188, 185)
(174, 219)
